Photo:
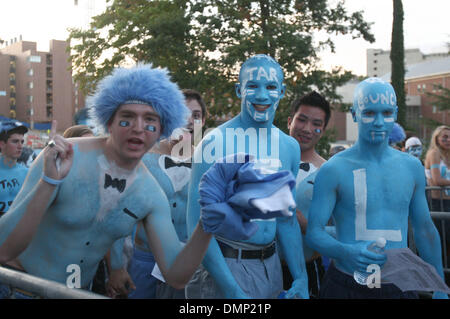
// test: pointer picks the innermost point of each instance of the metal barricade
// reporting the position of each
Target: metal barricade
(441, 217)
(42, 287)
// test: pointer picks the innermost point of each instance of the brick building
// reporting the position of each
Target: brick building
(420, 79)
(36, 87)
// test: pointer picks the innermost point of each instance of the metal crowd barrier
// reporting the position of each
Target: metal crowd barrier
(42, 287)
(441, 217)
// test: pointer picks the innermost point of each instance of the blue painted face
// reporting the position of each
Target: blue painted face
(415, 150)
(375, 110)
(260, 88)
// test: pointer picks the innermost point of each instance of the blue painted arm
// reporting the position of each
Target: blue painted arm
(19, 224)
(291, 242)
(214, 262)
(117, 261)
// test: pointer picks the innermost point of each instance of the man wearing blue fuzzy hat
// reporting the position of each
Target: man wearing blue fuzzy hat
(82, 195)
(371, 190)
(244, 262)
(12, 174)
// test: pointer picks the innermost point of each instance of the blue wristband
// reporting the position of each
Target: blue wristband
(51, 181)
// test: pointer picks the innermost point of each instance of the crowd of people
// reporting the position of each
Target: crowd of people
(249, 212)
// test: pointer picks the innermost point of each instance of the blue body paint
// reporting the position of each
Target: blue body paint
(251, 131)
(371, 190)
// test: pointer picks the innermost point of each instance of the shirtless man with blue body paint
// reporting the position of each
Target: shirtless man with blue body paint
(251, 131)
(370, 190)
(172, 170)
(82, 195)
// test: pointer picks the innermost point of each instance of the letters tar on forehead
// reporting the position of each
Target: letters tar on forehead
(259, 67)
(257, 73)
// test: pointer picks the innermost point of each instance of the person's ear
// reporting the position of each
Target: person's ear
(283, 91)
(353, 114)
(289, 121)
(237, 88)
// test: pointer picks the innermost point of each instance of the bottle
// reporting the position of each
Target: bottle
(376, 247)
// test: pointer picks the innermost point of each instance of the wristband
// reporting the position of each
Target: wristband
(51, 181)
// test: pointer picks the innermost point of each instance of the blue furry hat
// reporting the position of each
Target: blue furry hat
(140, 84)
(397, 134)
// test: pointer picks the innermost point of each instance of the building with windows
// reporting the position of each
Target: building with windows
(420, 80)
(37, 87)
(379, 61)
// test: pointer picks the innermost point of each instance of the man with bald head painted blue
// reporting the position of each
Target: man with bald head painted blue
(371, 190)
(250, 268)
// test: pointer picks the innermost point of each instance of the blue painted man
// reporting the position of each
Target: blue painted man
(370, 189)
(250, 267)
(82, 195)
(309, 118)
(12, 173)
(173, 172)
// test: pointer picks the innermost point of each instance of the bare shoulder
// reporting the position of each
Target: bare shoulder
(287, 139)
(432, 157)
(407, 159)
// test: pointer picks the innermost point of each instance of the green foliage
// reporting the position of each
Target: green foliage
(203, 43)
(398, 62)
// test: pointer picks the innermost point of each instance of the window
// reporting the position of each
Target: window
(434, 109)
(2, 93)
(30, 85)
(29, 98)
(34, 59)
(30, 72)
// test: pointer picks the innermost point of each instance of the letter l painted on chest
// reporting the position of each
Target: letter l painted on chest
(361, 231)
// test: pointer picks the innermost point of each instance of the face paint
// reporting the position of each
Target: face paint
(375, 109)
(415, 150)
(317, 131)
(150, 128)
(124, 123)
(261, 85)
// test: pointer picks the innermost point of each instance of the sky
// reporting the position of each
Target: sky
(426, 26)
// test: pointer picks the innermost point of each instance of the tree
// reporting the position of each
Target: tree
(397, 56)
(203, 43)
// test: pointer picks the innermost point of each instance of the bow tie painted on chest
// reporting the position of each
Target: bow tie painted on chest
(115, 183)
(305, 166)
(168, 163)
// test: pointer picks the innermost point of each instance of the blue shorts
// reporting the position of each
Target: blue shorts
(140, 270)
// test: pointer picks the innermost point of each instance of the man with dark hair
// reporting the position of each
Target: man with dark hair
(309, 117)
(12, 174)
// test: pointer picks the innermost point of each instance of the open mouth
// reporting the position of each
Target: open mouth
(261, 107)
(135, 142)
